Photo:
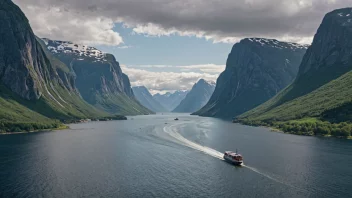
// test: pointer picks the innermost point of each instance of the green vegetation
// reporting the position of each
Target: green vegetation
(15, 117)
(332, 95)
(19, 115)
(308, 126)
(6, 127)
(325, 111)
(114, 117)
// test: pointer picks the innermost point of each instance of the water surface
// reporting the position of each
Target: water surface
(155, 156)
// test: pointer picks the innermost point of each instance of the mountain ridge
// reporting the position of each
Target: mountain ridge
(256, 70)
(98, 77)
(197, 97)
(170, 100)
(319, 99)
(146, 99)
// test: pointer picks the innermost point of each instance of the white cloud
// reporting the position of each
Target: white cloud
(60, 24)
(155, 66)
(168, 81)
(201, 68)
(207, 68)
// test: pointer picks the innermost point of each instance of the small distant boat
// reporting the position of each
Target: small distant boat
(176, 118)
(233, 158)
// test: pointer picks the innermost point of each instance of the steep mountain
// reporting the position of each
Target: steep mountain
(98, 76)
(197, 97)
(32, 83)
(322, 89)
(256, 70)
(146, 99)
(170, 100)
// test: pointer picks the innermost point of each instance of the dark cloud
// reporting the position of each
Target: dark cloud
(213, 19)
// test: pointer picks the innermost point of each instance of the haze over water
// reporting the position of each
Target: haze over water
(155, 156)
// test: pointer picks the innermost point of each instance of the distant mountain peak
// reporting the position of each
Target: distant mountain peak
(170, 100)
(146, 99)
(197, 97)
(67, 47)
(203, 81)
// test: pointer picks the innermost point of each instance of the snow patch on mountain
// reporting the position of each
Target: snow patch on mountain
(277, 44)
(67, 47)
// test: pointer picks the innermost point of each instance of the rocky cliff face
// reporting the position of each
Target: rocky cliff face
(323, 79)
(197, 97)
(329, 56)
(23, 66)
(146, 99)
(92, 68)
(30, 73)
(99, 78)
(256, 70)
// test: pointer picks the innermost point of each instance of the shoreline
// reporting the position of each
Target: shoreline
(36, 131)
(64, 125)
(275, 130)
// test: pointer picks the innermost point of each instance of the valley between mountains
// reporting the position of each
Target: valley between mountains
(295, 88)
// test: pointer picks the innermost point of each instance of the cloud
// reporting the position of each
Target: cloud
(219, 21)
(157, 81)
(201, 68)
(62, 24)
(207, 68)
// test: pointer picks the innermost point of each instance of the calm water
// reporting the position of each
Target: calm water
(145, 157)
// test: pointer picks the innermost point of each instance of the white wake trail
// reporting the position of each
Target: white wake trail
(188, 143)
(172, 131)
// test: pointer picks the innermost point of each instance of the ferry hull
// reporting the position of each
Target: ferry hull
(236, 163)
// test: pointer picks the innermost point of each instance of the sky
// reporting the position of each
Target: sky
(168, 45)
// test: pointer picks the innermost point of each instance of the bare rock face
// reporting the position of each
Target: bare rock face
(22, 64)
(92, 68)
(332, 44)
(127, 86)
(322, 87)
(328, 57)
(98, 77)
(256, 70)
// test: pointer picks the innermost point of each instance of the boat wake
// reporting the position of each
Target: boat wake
(173, 132)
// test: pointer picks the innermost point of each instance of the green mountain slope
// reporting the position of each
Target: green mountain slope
(15, 116)
(318, 103)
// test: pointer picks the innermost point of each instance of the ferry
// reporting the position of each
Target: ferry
(233, 158)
